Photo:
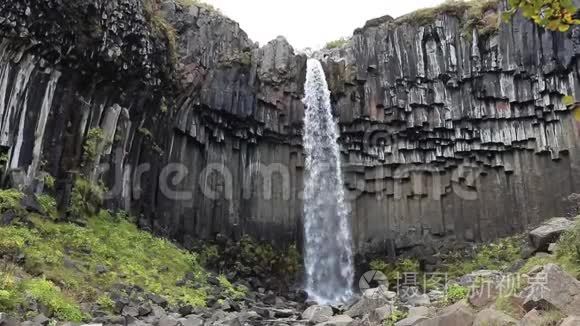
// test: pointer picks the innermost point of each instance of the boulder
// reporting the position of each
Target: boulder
(283, 313)
(420, 311)
(571, 321)
(317, 314)
(341, 320)
(418, 300)
(489, 316)
(484, 295)
(168, 321)
(459, 314)
(192, 321)
(381, 291)
(553, 287)
(40, 320)
(158, 300)
(130, 311)
(365, 305)
(532, 318)
(411, 321)
(550, 231)
(378, 315)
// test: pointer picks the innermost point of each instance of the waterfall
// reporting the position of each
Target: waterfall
(328, 242)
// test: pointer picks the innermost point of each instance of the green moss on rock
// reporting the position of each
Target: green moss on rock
(70, 255)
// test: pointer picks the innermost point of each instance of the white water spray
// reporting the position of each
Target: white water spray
(328, 247)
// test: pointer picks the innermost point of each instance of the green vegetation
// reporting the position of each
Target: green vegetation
(567, 254)
(163, 29)
(48, 204)
(10, 200)
(555, 15)
(249, 257)
(68, 255)
(551, 317)
(86, 199)
(47, 294)
(230, 291)
(242, 58)
(92, 144)
(394, 317)
(15, 291)
(106, 303)
(336, 43)
(455, 293)
(483, 16)
(48, 180)
(480, 15)
(498, 255)
(145, 132)
(510, 305)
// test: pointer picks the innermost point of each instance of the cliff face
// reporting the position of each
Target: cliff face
(445, 134)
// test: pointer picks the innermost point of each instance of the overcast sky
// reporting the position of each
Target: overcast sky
(310, 23)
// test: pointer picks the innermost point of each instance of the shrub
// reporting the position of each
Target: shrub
(10, 200)
(336, 43)
(48, 180)
(86, 198)
(455, 293)
(48, 204)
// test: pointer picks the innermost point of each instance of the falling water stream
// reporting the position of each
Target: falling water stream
(328, 240)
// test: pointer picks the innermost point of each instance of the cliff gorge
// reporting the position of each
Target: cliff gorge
(447, 132)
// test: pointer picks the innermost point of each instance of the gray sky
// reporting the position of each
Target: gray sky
(310, 23)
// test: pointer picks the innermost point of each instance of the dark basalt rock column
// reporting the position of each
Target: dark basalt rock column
(444, 135)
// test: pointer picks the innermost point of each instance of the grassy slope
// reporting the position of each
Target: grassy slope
(61, 260)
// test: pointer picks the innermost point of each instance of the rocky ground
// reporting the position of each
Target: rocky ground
(541, 289)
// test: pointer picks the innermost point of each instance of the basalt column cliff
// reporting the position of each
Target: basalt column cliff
(447, 131)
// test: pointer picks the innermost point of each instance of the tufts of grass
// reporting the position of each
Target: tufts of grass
(498, 255)
(68, 255)
(86, 199)
(231, 291)
(510, 306)
(10, 200)
(50, 296)
(395, 316)
(163, 29)
(473, 14)
(551, 318)
(48, 204)
(427, 16)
